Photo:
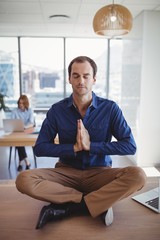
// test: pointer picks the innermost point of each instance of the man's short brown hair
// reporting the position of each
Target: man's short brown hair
(82, 59)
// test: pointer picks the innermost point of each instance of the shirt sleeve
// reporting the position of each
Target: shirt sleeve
(123, 143)
(45, 145)
(30, 119)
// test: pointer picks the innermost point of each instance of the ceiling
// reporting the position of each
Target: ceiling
(31, 17)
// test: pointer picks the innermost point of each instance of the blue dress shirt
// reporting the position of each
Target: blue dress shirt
(103, 120)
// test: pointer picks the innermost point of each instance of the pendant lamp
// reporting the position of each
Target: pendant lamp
(112, 20)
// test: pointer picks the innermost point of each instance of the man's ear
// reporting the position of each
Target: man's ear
(94, 80)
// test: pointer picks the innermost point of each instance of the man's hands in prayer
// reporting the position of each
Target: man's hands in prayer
(83, 138)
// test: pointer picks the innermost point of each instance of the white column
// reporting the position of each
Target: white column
(148, 137)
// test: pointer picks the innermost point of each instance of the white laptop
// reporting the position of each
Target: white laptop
(13, 125)
(151, 198)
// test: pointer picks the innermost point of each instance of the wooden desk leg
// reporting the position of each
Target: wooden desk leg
(10, 155)
(35, 159)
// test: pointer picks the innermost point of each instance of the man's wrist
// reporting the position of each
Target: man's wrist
(75, 148)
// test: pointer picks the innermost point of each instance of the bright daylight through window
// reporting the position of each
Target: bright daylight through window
(40, 71)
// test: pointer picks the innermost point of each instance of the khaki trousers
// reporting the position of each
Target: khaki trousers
(100, 186)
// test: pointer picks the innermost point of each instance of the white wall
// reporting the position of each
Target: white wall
(148, 135)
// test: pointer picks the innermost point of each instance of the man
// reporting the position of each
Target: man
(83, 180)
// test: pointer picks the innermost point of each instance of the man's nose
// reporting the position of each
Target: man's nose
(81, 79)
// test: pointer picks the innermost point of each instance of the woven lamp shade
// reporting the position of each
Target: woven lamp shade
(112, 20)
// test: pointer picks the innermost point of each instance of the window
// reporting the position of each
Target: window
(9, 70)
(94, 48)
(44, 77)
(42, 72)
(125, 75)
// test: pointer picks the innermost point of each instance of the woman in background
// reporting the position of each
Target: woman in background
(24, 112)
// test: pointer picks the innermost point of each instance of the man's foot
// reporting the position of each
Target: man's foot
(107, 217)
(50, 213)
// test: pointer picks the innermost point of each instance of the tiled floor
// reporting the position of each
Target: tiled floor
(42, 162)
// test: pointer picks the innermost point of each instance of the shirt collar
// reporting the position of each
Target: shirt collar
(94, 100)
